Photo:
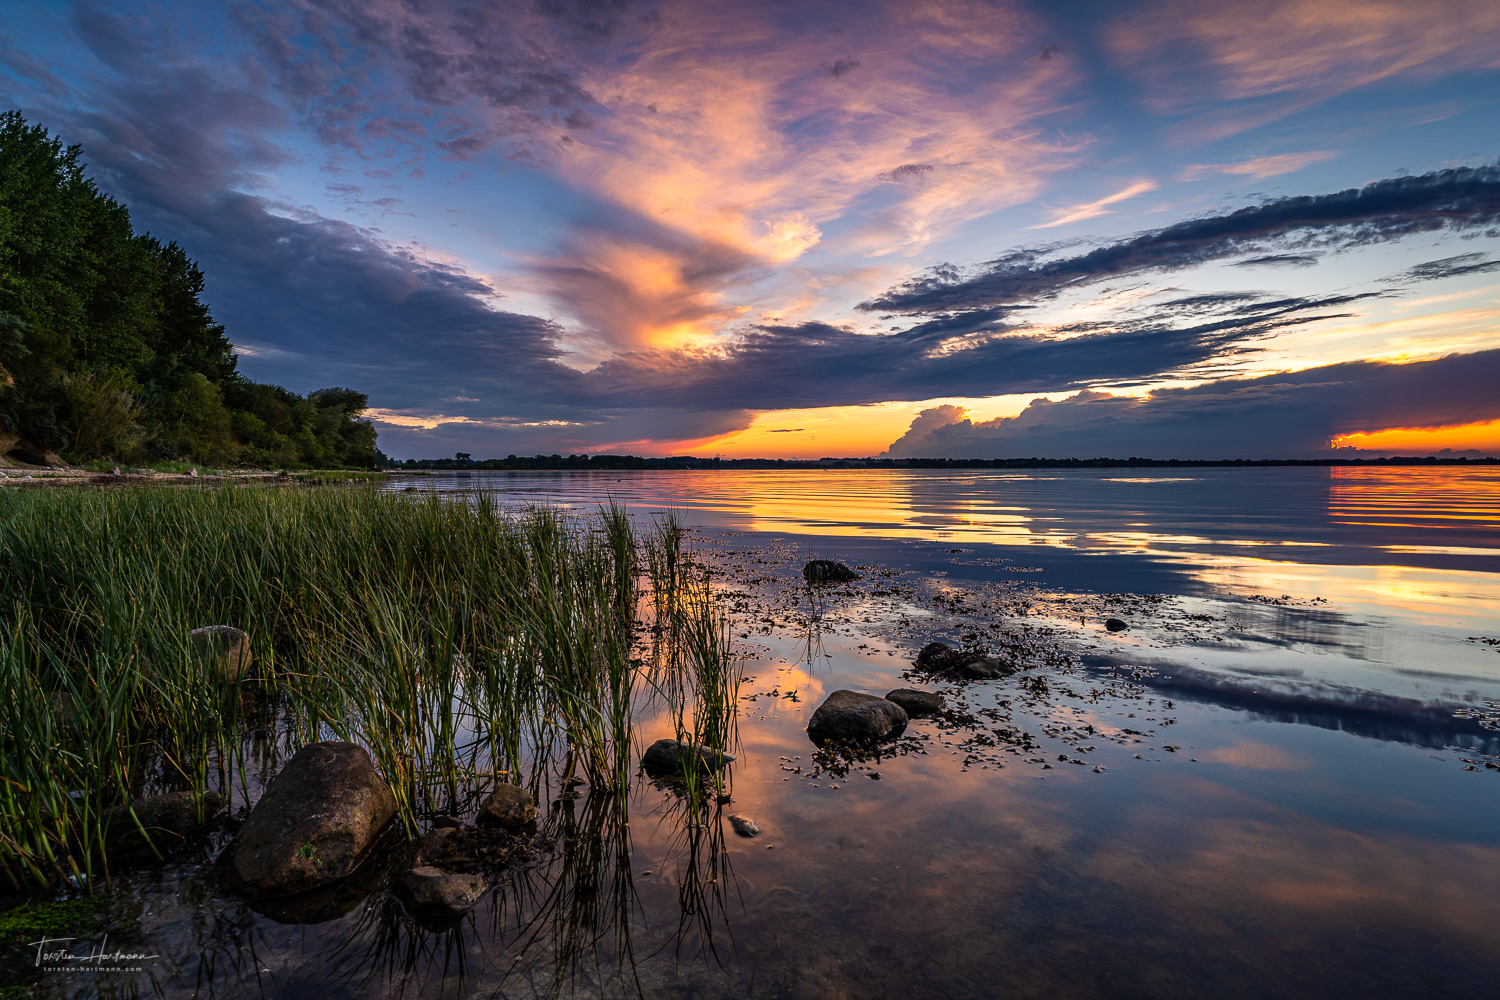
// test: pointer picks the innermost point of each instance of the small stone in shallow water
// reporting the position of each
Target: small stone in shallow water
(916, 703)
(744, 826)
(1115, 625)
(431, 890)
(508, 806)
(667, 757)
(828, 571)
(854, 715)
(226, 647)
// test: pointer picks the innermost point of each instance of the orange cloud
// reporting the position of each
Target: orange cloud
(1483, 436)
(730, 138)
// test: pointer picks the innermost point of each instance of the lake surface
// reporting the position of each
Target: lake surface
(1282, 780)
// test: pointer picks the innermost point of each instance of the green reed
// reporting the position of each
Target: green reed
(449, 637)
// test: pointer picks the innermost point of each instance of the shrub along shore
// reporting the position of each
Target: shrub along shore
(448, 638)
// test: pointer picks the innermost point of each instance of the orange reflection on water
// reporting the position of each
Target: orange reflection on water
(1433, 497)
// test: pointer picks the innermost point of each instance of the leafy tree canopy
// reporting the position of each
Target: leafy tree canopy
(107, 349)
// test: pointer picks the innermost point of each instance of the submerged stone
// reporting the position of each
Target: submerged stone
(828, 571)
(1115, 625)
(167, 819)
(916, 703)
(978, 667)
(744, 826)
(852, 715)
(226, 647)
(665, 757)
(508, 806)
(433, 891)
(314, 823)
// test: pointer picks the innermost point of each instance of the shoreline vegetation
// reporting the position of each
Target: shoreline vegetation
(463, 647)
(107, 351)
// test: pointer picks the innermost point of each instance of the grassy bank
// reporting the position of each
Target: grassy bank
(449, 638)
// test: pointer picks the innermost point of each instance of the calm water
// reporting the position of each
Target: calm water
(1273, 784)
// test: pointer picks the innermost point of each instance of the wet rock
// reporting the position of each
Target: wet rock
(851, 715)
(314, 823)
(916, 703)
(666, 757)
(428, 890)
(745, 826)
(226, 647)
(828, 571)
(937, 656)
(1115, 625)
(978, 667)
(433, 844)
(444, 820)
(508, 806)
(168, 819)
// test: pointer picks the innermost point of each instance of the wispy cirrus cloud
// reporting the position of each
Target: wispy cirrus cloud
(1259, 167)
(1094, 209)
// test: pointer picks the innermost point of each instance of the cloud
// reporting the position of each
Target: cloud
(1453, 267)
(1279, 260)
(1094, 209)
(1461, 199)
(1286, 415)
(1259, 168)
(1194, 53)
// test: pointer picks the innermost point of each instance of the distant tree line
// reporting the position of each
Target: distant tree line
(465, 461)
(107, 350)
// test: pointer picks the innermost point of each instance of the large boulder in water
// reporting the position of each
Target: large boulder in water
(850, 715)
(314, 823)
(828, 571)
(936, 657)
(669, 757)
(226, 647)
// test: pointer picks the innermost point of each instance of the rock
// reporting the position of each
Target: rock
(193, 472)
(314, 823)
(1115, 625)
(442, 820)
(851, 715)
(227, 647)
(114, 470)
(433, 891)
(937, 656)
(433, 844)
(509, 806)
(916, 703)
(745, 826)
(828, 571)
(668, 756)
(940, 658)
(978, 667)
(168, 819)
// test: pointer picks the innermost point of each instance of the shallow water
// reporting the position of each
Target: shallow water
(1273, 784)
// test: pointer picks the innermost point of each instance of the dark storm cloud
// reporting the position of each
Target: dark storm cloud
(815, 364)
(1289, 415)
(1459, 199)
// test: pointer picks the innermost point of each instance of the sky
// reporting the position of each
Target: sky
(1266, 228)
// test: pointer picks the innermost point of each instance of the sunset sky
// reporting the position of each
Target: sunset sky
(821, 229)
